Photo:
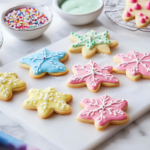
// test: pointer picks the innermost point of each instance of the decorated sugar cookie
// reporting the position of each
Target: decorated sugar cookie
(91, 43)
(134, 64)
(138, 10)
(93, 76)
(48, 101)
(103, 111)
(45, 62)
(9, 84)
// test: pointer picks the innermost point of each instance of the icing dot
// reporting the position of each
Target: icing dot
(43, 57)
(130, 9)
(146, 17)
(128, 14)
(133, 1)
(140, 14)
(137, 6)
(148, 5)
(142, 20)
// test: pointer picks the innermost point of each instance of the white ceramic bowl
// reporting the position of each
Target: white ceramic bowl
(28, 34)
(77, 19)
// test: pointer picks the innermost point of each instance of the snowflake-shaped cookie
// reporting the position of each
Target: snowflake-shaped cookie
(93, 76)
(103, 111)
(9, 84)
(134, 64)
(138, 10)
(44, 62)
(91, 43)
(48, 101)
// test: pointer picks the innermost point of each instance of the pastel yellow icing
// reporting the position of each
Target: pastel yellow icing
(47, 100)
(9, 82)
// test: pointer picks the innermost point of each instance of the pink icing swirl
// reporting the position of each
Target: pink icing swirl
(148, 5)
(103, 110)
(142, 20)
(130, 9)
(128, 14)
(133, 1)
(137, 6)
(92, 74)
(146, 17)
(140, 14)
(135, 63)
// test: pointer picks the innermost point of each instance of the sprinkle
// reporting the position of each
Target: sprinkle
(25, 18)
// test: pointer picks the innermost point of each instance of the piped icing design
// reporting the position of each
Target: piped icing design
(48, 100)
(91, 39)
(45, 61)
(142, 20)
(148, 5)
(130, 9)
(92, 74)
(137, 6)
(103, 110)
(135, 63)
(9, 82)
(128, 14)
(140, 14)
(145, 17)
(133, 1)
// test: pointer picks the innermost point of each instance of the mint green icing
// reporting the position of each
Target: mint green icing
(91, 39)
(79, 6)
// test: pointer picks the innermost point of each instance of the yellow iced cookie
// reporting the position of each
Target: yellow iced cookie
(48, 101)
(9, 84)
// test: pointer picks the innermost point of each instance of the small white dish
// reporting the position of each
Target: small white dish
(31, 33)
(77, 19)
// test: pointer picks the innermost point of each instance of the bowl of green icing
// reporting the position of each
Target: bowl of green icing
(78, 12)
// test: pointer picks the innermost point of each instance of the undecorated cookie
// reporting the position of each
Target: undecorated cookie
(45, 62)
(48, 101)
(134, 64)
(93, 76)
(91, 43)
(103, 111)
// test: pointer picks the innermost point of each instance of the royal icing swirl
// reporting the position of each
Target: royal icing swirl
(103, 110)
(92, 74)
(91, 39)
(135, 63)
(47, 100)
(45, 61)
(8, 82)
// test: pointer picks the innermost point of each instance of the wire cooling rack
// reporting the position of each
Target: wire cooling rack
(114, 10)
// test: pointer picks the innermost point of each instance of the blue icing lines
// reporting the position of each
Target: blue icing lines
(45, 61)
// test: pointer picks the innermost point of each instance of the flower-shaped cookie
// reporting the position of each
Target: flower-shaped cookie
(103, 111)
(9, 84)
(138, 10)
(48, 101)
(45, 62)
(93, 76)
(91, 43)
(134, 64)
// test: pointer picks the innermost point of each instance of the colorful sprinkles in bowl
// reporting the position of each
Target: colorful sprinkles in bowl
(25, 18)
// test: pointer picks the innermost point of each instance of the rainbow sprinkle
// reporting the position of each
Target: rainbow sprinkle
(25, 18)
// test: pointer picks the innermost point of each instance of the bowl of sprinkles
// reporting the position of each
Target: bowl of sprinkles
(27, 21)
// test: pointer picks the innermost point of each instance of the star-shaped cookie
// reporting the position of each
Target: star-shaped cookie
(93, 76)
(134, 64)
(48, 101)
(91, 43)
(45, 62)
(9, 84)
(138, 10)
(103, 111)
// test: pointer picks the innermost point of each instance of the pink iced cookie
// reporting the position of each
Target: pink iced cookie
(93, 76)
(134, 64)
(103, 111)
(137, 9)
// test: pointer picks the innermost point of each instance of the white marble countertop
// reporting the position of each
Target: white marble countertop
(135, 136)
